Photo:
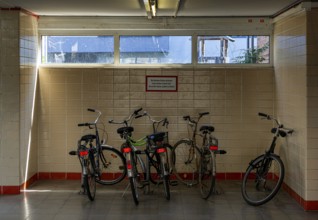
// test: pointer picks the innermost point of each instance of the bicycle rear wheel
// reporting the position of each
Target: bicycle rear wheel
(155, 167)
(89, 181)
(185, 162)
(263, 179)
(207, 173)
(112, 166)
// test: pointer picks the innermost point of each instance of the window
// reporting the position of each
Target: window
(233, 49)
(77, 49)
(155, 49)
(161, 50)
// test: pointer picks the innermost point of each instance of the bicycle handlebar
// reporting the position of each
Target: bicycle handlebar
(137, 111)
(133, 115)
(279, 125)
(91, 123)
(263, 115)
(85, 124)
(164, 121)
(188, 117)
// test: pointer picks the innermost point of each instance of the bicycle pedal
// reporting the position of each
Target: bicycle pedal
(142, 184)
(82, 192)
(222, 152)
(173, 182)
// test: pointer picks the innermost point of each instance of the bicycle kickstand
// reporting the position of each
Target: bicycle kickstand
(128, 185)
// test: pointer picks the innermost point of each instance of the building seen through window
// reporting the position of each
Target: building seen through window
(156, 49)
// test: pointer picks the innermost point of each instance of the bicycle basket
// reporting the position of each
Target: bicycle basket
(157, 139)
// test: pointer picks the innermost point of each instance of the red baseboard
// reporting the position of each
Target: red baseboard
(9, 190)
(30, 181)
(307, 205)
(73, 176)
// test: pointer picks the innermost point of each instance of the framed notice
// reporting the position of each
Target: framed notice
(161, 83)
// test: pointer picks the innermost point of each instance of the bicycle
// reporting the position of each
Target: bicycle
(193, 164)
(265, 174)
(100, 163)
(155, 152)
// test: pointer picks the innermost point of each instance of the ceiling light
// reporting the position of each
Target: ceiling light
(153, 4)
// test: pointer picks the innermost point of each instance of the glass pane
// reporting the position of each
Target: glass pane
(155, 49)
(78, 49)
(233, 49)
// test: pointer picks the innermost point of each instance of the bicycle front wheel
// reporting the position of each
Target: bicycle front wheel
(185, 162)
(89, 181)
(263, 179)
(112, 166)
(134, 189)
(207, 173)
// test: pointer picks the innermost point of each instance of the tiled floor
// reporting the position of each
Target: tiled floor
(57, 199)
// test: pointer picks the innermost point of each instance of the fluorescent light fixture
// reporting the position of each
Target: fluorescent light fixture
(153, 10)
(153, 4)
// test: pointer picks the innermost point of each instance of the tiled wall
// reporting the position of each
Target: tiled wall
(28, 85)
(9, 99)
(312, 106)
(295, 52)
(233, 96)
(18, 43)
(290, 75)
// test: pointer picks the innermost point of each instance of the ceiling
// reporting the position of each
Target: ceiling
(170, 8)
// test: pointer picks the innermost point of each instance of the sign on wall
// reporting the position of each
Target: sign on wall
(161, 83)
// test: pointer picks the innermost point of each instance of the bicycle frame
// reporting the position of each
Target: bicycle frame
(277, 131)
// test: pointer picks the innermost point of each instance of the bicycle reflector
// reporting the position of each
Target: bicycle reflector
(83, 153)
(129, 166)
(161, 150)
(126, 150)
(214, 147)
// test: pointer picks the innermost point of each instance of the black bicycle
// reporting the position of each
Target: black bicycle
(155, 167)
(265, 174)
(100, 163)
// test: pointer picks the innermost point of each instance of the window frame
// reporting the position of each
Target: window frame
(193, 27)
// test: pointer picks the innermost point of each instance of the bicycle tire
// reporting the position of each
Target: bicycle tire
(112, 166)
(162, 174)
(260, 187)
(89, 182)
(155, 177)
(185, 159)
(165, 178)
(207, 173)
(155, 171)
(134, 189)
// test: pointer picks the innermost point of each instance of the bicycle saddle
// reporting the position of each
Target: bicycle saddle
(88, 137)
(123, 130)
(207, 128)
